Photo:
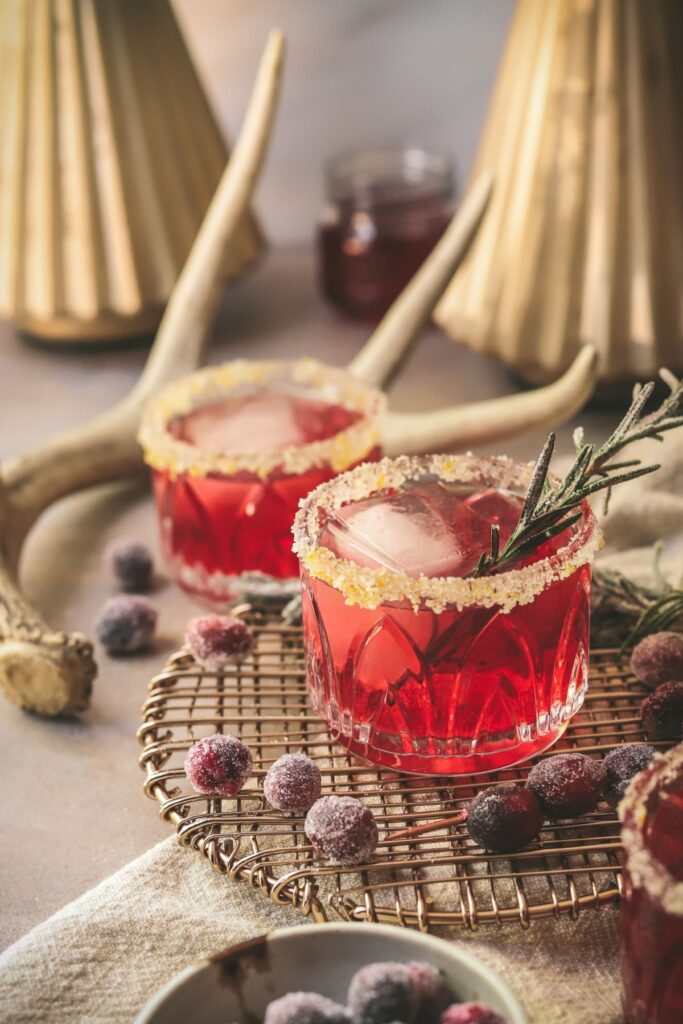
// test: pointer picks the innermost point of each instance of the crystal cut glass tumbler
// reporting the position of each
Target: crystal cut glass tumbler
(233, 449)
(652, 900)
(414, 663)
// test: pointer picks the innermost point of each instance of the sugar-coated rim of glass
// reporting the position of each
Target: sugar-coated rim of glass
(645, 871)
(370, 588)
(383, 174)
(169, 454)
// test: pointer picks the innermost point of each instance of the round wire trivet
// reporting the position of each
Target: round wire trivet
(429, 880)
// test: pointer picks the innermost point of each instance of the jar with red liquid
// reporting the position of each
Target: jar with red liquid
(652, 900)
(414, 661)
(386, 210)
(233, 449)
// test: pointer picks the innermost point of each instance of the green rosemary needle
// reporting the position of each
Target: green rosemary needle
(550, 508)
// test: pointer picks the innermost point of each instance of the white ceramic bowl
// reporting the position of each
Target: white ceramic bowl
(236, 986)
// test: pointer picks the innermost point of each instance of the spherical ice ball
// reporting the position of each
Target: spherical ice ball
(125, 624)
(504, 818)
(131, 563)
(292, 783)
(567, 784)
(218, 765)
(341, 830)
(658, 659)
(215, 641)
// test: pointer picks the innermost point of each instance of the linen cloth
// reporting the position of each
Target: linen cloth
(100, 958)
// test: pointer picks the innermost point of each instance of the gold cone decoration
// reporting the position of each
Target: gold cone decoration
(109, 155)
(583, 241)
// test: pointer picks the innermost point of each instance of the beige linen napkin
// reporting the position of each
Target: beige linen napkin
(101, 957)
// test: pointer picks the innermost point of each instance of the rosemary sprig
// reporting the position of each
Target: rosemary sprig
(549, 509)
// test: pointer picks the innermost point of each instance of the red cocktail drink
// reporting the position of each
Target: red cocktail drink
(233, 450)
(652, 904)
(415, 664)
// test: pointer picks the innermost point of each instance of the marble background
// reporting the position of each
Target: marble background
(359, 72)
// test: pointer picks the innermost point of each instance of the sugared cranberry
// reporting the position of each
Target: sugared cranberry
(218, 765)
(662, 712)
(471, 1013)
(621, 764)
(658, 659)
(341, 829)
(305, 1008)
(504, 818)
(131, 563)
(433, 991)
(215, 641)
(126, 624)
(292, 783)
(384, 992)
(567, 784)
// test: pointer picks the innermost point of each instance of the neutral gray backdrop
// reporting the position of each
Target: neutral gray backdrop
(359, 72)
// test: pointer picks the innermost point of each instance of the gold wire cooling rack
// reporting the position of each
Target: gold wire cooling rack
(425, 881)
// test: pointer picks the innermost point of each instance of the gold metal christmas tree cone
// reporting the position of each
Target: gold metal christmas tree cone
(583, 241)
(109, 155)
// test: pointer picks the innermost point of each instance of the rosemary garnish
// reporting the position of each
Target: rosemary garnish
(551, 508)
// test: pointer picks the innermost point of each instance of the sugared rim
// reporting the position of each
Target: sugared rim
(645, 871)
(174, 456)
(370, 588)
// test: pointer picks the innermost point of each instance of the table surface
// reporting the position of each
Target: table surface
(73, 805)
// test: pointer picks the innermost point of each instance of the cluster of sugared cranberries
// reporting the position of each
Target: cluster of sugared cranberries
(621, 764)
(384, 993)
(341, 830)
(662, 712)
(126, 624)
(658, 659)
(218, 765)
(504, 818)
(131, 563)
(215, 641)
(292, 783)
(567, 785)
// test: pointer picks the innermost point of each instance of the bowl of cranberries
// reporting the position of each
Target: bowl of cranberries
(337, 974)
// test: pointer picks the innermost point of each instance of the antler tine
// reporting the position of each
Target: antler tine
(52, 672)
(390, 343)
(464, 425)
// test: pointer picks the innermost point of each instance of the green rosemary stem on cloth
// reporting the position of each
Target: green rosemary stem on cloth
(551, 507)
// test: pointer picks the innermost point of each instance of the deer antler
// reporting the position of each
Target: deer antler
(52, 672)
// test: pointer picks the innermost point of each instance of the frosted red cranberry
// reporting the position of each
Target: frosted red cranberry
(658, 659)
(341, 830)
(305, 1008)
(504, 818)
(567, 784)
(471, 1013)
(126, 624)
(292, 783)
(384, 992)
(131, 563)
(621, 765)
(215, 641)
(218, 765)
(433, 991)
(662, 712)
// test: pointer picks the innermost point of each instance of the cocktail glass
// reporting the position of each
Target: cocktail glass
(415, 664)
(233, 450)
(652, 900)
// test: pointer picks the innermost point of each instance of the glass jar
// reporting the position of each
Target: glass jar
(233, 450)
(386, 210)
(652, 900)
(414, 663)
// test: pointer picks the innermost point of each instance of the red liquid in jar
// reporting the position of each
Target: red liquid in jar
(452, 692)
(216, 527)
(651, 937)
(367, 259)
